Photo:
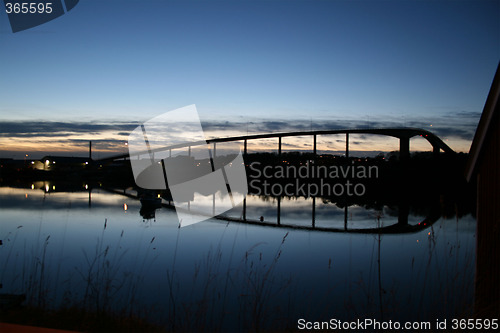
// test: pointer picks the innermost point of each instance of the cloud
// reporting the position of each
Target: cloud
(108, 136)
(461, 125)
(60, 129)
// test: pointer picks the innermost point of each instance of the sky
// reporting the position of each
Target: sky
(107, 66)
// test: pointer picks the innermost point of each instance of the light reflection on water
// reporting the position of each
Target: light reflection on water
(318, 275)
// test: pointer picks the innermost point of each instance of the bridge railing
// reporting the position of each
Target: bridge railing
(403, 134)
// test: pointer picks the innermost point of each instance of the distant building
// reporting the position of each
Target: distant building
(60, 163)
(484, 167)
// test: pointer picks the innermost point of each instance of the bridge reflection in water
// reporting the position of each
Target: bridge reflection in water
(154, 200)
(399, 226)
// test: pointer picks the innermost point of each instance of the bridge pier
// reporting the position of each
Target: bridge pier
(435, 151)
(279, 146)
(245, 208)
(404, 148)
(347, 145)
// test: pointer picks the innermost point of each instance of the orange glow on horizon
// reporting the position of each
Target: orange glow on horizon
(109, 143)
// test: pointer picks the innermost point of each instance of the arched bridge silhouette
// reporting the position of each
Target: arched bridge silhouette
(404, 134)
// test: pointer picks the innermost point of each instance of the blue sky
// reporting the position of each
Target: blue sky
(344, 63)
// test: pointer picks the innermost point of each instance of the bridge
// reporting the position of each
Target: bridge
(404, 134)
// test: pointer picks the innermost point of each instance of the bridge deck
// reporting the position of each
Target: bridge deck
(404, 134)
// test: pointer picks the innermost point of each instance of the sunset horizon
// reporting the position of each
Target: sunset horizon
(321, 65)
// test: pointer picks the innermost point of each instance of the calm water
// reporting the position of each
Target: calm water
(60, 248)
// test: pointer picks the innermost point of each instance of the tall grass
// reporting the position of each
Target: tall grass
(221, 298)
(110, 290)
(101, 276)
(440, 283)
(221, 293)
(260, 286)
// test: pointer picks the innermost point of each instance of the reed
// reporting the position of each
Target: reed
(222, 298)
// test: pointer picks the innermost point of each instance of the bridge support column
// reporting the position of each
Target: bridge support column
(347, 145)
(314, 144)
(279, 146)
(435, 151)
(244, 208)
(404, 148)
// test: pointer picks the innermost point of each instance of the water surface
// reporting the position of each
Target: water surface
(94, 249)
